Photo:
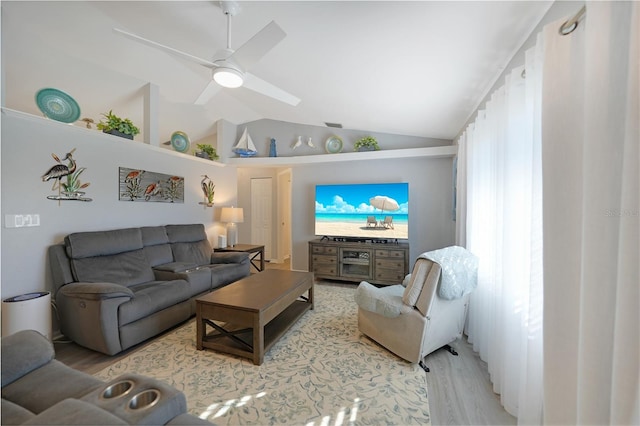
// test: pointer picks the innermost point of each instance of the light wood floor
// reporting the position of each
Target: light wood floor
(458, 387)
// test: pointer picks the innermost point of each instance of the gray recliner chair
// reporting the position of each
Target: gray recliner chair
(427, 311)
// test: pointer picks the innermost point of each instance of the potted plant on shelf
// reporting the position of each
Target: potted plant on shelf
(115, 125)
(207, 151)
(368, 143)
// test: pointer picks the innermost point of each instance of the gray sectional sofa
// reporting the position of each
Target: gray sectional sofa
(114, 289)
(39, 390)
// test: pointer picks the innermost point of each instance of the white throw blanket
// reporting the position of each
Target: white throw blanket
(459, 271)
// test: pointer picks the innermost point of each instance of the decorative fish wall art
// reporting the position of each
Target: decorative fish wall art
(66, 179)
(143, 185)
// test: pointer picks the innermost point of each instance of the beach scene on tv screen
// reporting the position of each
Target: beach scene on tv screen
(377, 210)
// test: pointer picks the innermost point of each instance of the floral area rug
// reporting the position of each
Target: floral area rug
(322, 371)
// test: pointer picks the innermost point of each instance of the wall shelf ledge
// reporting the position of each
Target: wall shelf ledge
(429, 152)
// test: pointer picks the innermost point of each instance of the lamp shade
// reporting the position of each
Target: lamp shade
(232, 215)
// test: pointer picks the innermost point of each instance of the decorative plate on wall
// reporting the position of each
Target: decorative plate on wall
(57, 105)
(333, 145)
(180, 141)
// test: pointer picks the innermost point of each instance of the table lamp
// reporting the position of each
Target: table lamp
(232, 215)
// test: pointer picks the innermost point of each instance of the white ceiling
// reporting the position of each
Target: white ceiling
(411, 68)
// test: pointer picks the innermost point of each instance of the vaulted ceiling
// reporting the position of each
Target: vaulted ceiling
(412, 68)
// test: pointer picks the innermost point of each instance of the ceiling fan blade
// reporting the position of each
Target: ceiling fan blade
(167, 49)
(257, 46)
(258, 85)
(208, 93)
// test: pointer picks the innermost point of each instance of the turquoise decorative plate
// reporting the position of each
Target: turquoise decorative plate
(180, 141)
(333, 145)
(57, 105)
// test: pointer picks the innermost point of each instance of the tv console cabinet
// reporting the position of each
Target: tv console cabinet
(377, 263)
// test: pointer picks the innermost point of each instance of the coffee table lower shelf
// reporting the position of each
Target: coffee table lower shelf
(238, 339)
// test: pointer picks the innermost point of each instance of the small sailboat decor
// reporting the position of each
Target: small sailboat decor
(245, 146)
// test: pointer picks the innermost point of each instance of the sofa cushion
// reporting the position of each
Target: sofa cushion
(186, 233)
(48, 385)
(110, 256)
(385, 301)
(13, 414)
(156, 245)
(103, 243)
(75, 412)
(154, 235)
(128, 268)
(226, 273)
(189, 243)
(196, 252)
(229, 257)
(23, 352)
(152, 297)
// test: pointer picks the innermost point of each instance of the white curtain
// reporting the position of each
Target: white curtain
(567, 138)
(500, 154)
(591, 218)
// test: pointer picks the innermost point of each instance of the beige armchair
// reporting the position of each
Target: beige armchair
(415, 320)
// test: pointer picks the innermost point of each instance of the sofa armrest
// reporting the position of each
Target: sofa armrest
(176, 267)
(229, 257)
(386, 301)
(198, 277)
(23, 352)
(95, 291)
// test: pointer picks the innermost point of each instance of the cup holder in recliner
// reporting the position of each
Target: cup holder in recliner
(144, 399)
(117, 389)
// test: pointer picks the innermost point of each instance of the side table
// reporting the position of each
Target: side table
(253, 250)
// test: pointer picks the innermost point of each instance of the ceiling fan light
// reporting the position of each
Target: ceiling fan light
(228, 77)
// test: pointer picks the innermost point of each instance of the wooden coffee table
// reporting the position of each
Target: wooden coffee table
(247, 317)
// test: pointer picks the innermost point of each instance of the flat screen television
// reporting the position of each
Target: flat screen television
(365, 211)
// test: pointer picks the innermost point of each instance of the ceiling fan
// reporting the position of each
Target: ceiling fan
(229, 67)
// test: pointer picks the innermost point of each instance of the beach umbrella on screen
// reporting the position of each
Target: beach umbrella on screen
(384, 203)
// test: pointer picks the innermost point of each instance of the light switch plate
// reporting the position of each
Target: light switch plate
(21, 220)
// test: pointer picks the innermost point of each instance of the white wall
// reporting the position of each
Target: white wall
(27, 144)
(430, 182)
(430, 199)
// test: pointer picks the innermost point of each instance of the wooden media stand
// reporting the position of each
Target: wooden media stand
(359, 261)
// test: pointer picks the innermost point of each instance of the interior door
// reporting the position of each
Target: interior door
(262, 214)
(284, 215)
